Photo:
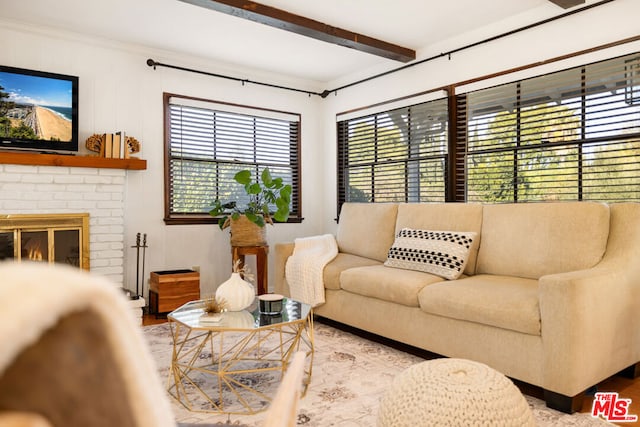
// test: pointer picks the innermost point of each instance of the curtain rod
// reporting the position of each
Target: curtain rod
(325, 93)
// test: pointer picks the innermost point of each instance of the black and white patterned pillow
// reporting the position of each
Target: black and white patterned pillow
(443, 253)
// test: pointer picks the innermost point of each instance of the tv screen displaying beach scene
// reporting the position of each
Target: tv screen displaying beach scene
(38, 109)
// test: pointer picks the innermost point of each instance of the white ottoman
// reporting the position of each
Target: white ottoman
(453, 392)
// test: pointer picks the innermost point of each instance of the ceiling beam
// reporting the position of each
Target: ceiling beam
(566, 4)
(284, 20)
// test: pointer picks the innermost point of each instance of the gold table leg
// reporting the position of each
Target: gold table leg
(214, 370)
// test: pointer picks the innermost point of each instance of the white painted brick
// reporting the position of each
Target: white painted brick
(9, 195)
(33, 195)
(109, 270)
(68, 179)
(110, 188)
(51, 205)
(9, 177)
(110, 221)
(113, 172)
(100, 179)
(109, 254)
(83, 171)
(81, 188)
(108, 238)
(97, 263)
(115, 262)
(100, 230)
(80, 204)
(24, 206)
(96, 196)
(109, 204)
(116, 229)
(68, 195)
(22, 169)
(18, 186)
(54, 170)
(38, 179)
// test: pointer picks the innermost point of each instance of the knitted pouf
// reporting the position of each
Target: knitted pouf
(453, 392)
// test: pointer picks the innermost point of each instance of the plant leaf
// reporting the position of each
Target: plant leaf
(281, 216)
(243, 177)
(266, 177)
(254, 188)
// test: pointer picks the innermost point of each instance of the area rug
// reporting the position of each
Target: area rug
(350, 375)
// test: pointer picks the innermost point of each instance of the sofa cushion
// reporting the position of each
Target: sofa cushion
(332, 271)
(535, 239)
(443, 253)
(389, 284)
(501, 301)
(443, 216)
(367, 229)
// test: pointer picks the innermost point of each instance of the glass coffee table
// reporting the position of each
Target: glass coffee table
(234, 366)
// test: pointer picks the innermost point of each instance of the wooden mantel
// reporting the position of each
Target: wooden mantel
(36, 159)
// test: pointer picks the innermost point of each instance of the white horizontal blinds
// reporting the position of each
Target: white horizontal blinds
(570, 135)
(208, 147)
(394, 156)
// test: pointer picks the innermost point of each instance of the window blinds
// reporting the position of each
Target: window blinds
(569, 135)
(395, 155)
(208, 145)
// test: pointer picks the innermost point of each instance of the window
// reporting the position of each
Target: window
(394, 156)
(208, 142)
(570, 135)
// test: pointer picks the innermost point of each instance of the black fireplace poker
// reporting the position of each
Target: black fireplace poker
(144, 251)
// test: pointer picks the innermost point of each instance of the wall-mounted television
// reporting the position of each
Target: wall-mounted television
(38, 110)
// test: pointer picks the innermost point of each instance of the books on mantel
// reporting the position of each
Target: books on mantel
(114, 146)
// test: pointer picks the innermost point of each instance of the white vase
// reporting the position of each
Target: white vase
(237, 292)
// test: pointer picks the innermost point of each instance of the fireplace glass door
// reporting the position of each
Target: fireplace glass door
(57, 238)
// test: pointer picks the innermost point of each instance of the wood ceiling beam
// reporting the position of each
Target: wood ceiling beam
(566, 4)
(284, 20)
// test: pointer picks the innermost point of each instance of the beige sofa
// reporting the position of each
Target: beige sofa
(550, 294)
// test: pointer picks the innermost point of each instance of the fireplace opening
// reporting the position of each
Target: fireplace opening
(53, 238)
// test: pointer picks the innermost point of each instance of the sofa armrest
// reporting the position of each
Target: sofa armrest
(588, 326)
(282, 252)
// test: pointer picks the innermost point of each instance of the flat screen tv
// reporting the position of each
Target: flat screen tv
(38, 110)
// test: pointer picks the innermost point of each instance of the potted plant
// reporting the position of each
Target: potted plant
(247, 221)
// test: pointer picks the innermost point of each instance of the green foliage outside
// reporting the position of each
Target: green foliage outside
(546, 165)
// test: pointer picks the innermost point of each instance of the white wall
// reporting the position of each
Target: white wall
(118, 91)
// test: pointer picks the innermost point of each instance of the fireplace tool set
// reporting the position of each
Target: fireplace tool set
(140, 277)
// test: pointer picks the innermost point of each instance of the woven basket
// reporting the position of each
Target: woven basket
(246, 233)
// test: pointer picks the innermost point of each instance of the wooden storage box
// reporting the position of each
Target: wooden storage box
(170, 289)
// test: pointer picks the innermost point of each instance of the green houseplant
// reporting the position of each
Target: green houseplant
(263, 194)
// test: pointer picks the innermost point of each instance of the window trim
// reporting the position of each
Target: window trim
(205, 218)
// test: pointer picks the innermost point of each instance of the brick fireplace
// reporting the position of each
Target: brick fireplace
(60, 190)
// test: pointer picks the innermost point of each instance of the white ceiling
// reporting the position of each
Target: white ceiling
(181, 27)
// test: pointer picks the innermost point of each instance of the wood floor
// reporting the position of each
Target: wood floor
(626, 388)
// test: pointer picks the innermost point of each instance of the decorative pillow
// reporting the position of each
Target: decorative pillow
(443, 253)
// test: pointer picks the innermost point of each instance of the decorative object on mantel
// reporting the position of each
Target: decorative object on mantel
(237, 292)
(247, 222)
(117, 146)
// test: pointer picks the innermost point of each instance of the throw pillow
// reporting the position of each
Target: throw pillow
(443, 253)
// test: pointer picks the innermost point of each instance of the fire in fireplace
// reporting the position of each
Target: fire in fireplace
(53, 238)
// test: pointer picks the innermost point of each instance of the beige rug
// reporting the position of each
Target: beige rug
(350, 374)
